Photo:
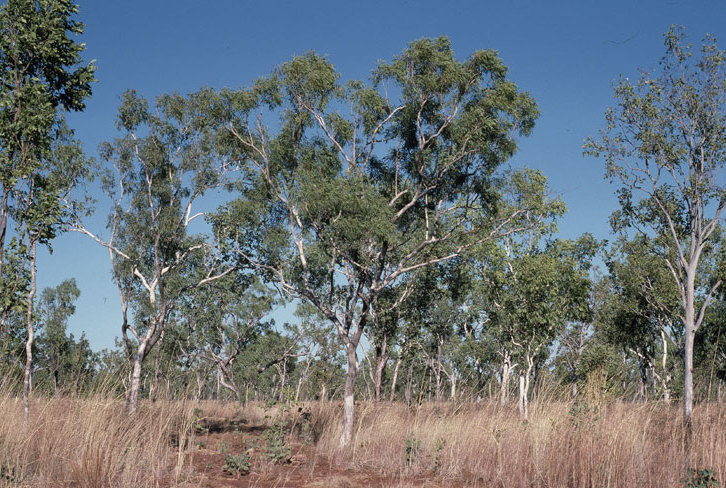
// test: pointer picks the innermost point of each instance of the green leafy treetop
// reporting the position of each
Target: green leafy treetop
(41, 72)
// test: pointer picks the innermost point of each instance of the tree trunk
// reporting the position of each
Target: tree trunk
(666, 374)
(690, 326)
(349, 396)
(643, 394)
(524, 381)
(394, 380)
(408, 391)
(504, 386)
(132, 397)
(522, 397)
(688, 379)
(27, 380)
(436, 369)
(3, 225)
(380, 367)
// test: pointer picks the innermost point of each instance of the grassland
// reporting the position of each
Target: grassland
(90, 442)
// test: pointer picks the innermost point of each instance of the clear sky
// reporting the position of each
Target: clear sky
(565, 53)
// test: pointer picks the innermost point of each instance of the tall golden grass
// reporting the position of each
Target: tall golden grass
(563, 444)
(91, 442)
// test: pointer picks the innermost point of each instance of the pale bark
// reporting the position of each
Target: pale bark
(346, 434)
(666, 378)
(506, 372)
(27, 379)
(132, 396)
(524, 383)
(522, 397)
(394, 379)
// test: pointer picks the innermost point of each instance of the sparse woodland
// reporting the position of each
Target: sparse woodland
(440, 332)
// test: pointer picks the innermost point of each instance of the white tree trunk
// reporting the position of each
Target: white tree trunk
(132, 397)
(27, 378)
(346, 434)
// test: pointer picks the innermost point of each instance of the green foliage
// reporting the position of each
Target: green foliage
(354, 189)
(68, 362)
(700, 478)
(239, 464)
(584, 415)
(276, 447)
(411, 448)
(41, 71)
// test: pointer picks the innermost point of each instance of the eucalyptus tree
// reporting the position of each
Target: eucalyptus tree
(159, 168)
(665, 144)
(357, 185)
(538, 290)
(44, 207)
(438, 308)
(41, 73)
(643, 310)
(222, 318)
(55, 307)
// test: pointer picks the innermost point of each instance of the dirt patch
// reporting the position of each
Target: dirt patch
(304, 468)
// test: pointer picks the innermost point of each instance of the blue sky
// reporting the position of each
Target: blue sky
(565, 53)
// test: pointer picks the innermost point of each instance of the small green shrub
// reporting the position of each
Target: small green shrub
(412, 446)
(276, 447)
(237, 465)
(197, 425)
(700, 478)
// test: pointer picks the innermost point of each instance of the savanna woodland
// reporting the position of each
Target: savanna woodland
(438, 332)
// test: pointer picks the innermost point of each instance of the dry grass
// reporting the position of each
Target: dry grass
(563, 445)
(92, 443)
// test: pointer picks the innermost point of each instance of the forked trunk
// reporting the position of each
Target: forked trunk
(380, 367)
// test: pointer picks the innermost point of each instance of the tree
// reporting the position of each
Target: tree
(665, 144)
(44, 207)
(162, 165)
(41, 72)
(222, 319)
(536, 293)
(66, 360)
(643, 310)
(359, 185)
